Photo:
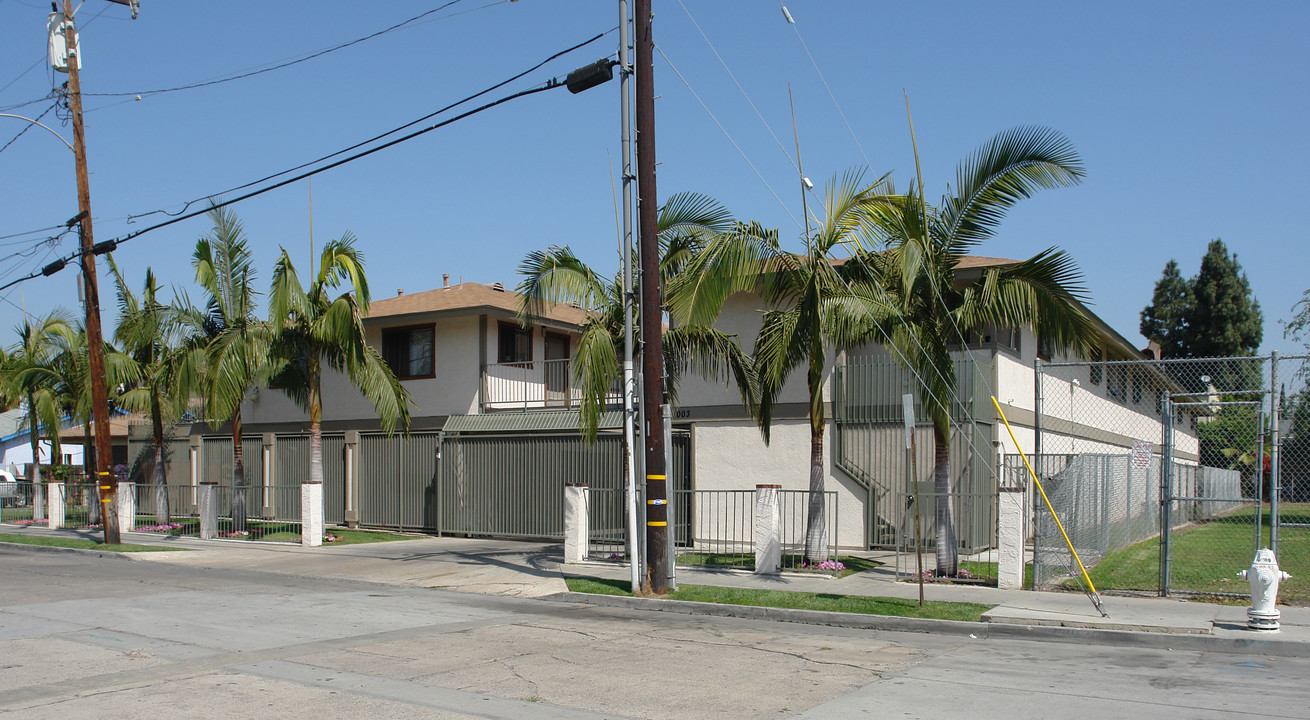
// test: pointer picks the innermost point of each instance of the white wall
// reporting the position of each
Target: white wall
(741, 316)
(731, 455)
(19, 452)
(453, 390)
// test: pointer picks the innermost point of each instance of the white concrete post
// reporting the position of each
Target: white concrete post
(55, 504)
(311, 523)
(193, 463)
(768, 530)
(351, 515)
(126, 505)
(207, 501)
(266, 463)
(1011, 510)
(39, 503)
(577, 540)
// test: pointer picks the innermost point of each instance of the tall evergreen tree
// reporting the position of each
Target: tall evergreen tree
(1224, 318)
(1165, 320)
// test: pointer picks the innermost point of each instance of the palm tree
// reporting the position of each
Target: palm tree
(312, 331)
(236, 342)
(913, 250)
(686, 223)
(62, 391)
(146, 333)
(817, 306)
(37, 345)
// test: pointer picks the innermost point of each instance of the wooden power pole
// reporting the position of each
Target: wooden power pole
(652, 315)
(105, 481)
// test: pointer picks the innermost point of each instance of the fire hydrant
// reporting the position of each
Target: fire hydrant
(1264, 576)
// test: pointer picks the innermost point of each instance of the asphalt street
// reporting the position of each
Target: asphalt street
(82, 635)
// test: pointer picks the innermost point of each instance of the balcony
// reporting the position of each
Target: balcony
(535, 385)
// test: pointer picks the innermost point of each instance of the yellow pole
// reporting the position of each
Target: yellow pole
(1047, 500)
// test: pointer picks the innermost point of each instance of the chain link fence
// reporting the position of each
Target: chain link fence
(1166, 474)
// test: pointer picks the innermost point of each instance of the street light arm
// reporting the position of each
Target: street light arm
(43, 127)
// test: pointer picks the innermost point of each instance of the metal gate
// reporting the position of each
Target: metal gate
(1168, 475)
(512, 484)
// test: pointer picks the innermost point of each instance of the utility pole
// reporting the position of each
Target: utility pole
(629, 380)
(105, 480)
(652, 357)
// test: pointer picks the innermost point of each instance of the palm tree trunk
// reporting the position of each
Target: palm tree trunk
(816, 529)
(311, 492)
(238, 476)
(948, 554)
(90, 476)
(160, 476)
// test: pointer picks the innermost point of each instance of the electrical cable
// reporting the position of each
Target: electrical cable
(796, 28)
(750, 102)
(758, 174)
(58, 264)
(189, 203)
(28, 126)
(279, 66)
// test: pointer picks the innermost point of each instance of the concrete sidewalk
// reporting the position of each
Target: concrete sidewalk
(528, 569)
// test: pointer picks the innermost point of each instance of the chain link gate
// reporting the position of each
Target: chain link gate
(1167, 473)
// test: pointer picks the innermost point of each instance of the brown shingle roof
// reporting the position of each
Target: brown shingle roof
(464, 298)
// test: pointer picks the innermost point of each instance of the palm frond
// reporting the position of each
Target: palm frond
(1008, 168)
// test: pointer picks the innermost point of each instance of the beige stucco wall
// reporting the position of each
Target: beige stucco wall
(741, 317)
(453, 390)
(733, 456)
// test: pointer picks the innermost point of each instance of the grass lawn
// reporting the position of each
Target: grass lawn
(1207, 556)
(797, 600)
(79, 543)
(790, 563)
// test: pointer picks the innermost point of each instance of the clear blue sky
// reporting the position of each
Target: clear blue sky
(1191, 118)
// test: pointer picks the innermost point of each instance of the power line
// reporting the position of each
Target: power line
(750, 102)
(109, 245)
(375, 138)
(29, 126)
(849, 129)
(745, 157)
(279, 66)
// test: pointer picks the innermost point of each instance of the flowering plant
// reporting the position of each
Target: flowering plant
(829, 565)
(159, 528)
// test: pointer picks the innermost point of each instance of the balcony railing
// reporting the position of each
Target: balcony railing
(535, 385)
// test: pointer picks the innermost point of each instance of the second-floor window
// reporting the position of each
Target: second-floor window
(409, 351)
(514, 344)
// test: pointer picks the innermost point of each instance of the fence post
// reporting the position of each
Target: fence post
(268, 452)
(207, 500)
(193, 461)
(351, 513)
(127, 505)
(577, 538)
(55, 501)
(1275, 476)
(311, 514)
(38, 502)
(768, 530)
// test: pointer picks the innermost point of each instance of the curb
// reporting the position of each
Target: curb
(977, 630)
(107, 554)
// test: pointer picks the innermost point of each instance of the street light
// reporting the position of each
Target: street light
(43, 127)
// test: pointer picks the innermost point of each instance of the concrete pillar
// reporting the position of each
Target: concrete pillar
(126, 506)
(577, 538)
(207, 501)
(768, 530)
(1009, 537)
(269, 476)
(38, 501)
(351, 515)
(194, 459)
(311, 514)
(55, 504)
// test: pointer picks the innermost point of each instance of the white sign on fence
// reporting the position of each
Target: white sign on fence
(1142, 454)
